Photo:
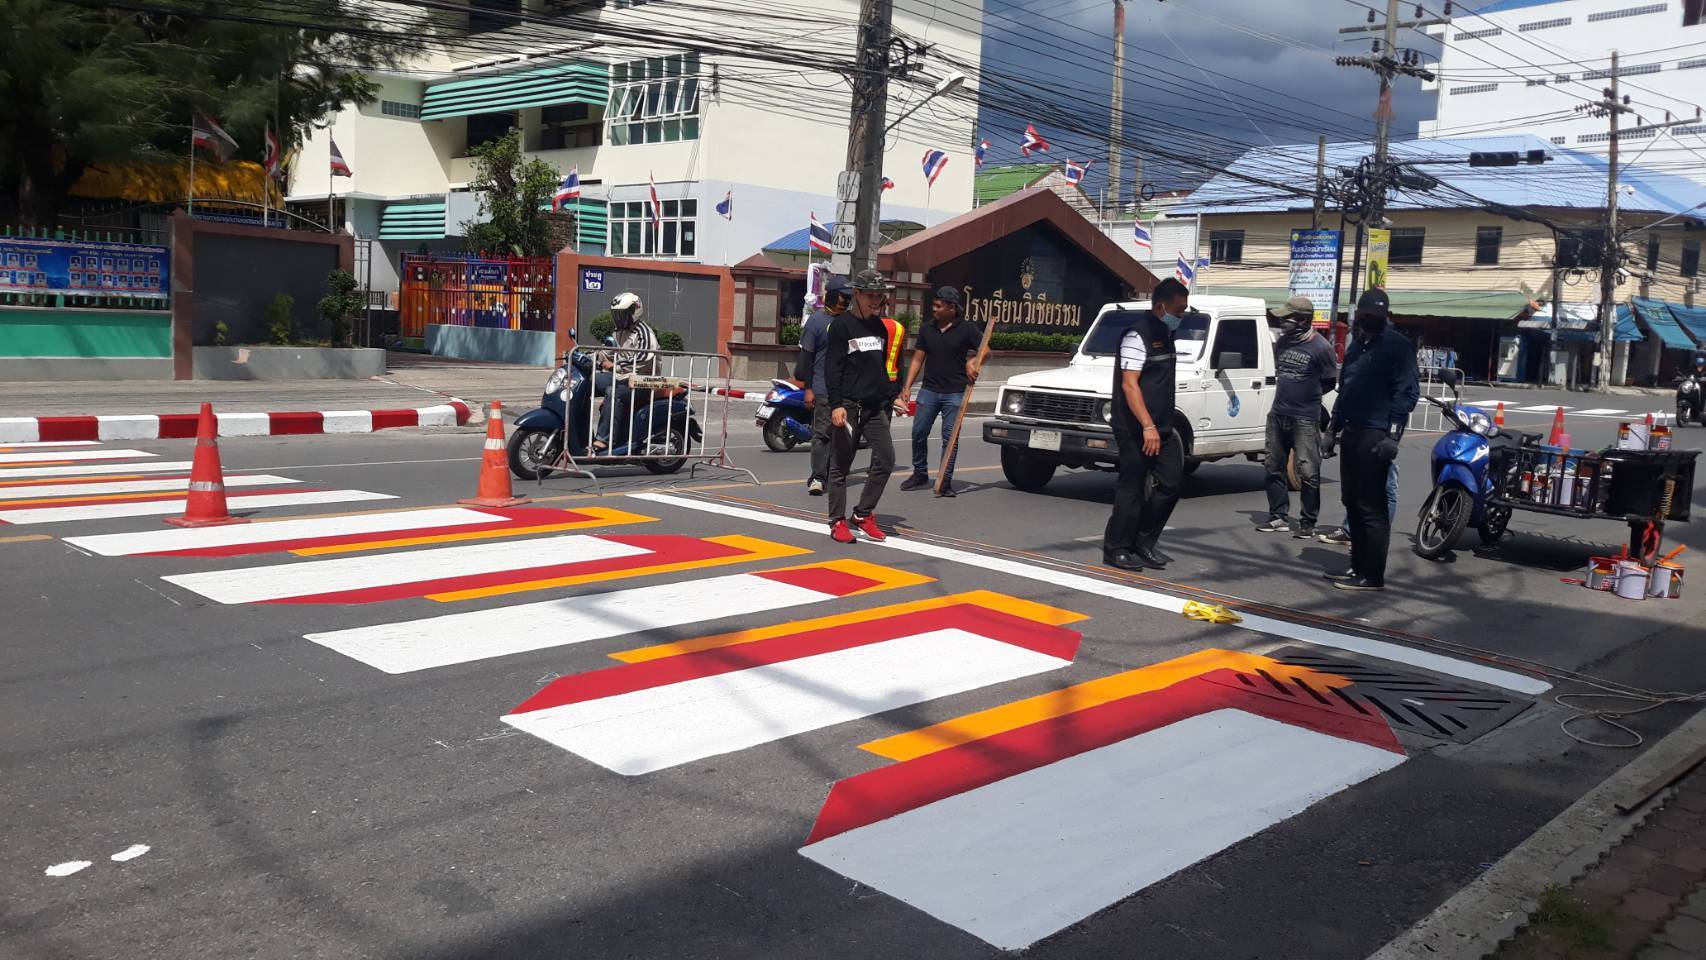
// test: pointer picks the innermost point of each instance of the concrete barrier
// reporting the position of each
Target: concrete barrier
(537, 347)
(287, 363)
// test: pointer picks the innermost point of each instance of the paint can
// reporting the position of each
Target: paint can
(1601, 574)
(1665, 581)
(1632, 580)
(1633, 436)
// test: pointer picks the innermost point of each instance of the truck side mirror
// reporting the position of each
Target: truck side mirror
(1229, 361)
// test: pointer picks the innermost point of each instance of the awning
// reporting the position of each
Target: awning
(1486, 304)
(1692, 319)
(1657, 316)
(587, 83)
(413, 220)
(1627, 330)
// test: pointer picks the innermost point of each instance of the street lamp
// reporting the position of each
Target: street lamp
(947, 84)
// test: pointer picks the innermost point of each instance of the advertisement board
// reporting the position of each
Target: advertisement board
(1379, 254)
(71, 267)
(1314, 269)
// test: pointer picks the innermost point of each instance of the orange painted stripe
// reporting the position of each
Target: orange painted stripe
(601, 517)
(1040, 613)
(50, 481)
(26, 538)
(1011, 716)
(98, 498)
(36, 463)
(754, 548)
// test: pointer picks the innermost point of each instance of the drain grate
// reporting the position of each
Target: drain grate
(1428, 704)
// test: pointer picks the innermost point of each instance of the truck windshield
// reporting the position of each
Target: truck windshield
(1104, 338)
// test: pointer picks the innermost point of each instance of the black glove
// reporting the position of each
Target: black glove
(1387, 447)
(1329, 441)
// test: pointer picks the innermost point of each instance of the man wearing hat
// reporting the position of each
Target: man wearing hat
(948, 353)
(1307, 369)
(808, 369)
(861, 370)
(1375, 399)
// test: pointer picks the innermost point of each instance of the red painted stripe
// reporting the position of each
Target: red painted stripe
(879, 794)
(614, 681)
(116, 477)
(462, 412)
(178, 426)
(296, 423)
(386, 419)
(513, 517)
(67, 428)
(666, 548)
(837, 583)
(95, 501)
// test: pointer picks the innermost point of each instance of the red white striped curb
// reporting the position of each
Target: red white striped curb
(182, 426)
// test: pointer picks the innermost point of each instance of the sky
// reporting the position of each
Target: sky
(1209, 77)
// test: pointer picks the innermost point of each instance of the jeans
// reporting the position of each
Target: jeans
(821, 445)
(931, 403)
(1364, 480)
(1141, 507)
(1301, 435)
(871, 421)
(1392, 493)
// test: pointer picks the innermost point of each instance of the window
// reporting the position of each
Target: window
(1545, 24)
(1479, 34)
(1537, 83)
(486, 127)
(1693, 64)
(408, 111)
(633, 235)
(1691, 12)
(1487, 240)
(1236, 335)
(1581, 248)
(1474, 88)
(1627, 12)
(1690, 258)
(484, 16)
(1226, 246)
(1622, 71)
(1593, 138)
(1559, 140)
(1561, 78)
(655, 100)
(569, 125)
(1653, 253)
(1406, 246)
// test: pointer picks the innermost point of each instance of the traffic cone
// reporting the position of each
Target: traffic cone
(205, 506)
(494, 490)
(1557, 427)
(1499, 416)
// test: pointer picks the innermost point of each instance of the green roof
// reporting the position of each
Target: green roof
(413, 220)
(993, 183)
(587, 83)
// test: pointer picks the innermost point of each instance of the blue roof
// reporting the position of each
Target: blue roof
(1500, 6)
(1570, 179)
(796, 242)
(1657, 314)
(1626, 328)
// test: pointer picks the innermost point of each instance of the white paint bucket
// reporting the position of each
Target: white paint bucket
(1665, 581)
(1632, 579)
(1601, 574)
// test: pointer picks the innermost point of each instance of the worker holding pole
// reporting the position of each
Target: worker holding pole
(949, 353)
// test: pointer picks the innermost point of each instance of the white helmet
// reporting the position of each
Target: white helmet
(627, 306)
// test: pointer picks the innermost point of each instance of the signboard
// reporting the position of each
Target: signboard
(1033, 279)
(1314, 269)
(486, 271)
(845, 238)
(67, 266)
(1379, 254)
(847, 185)
(592, 279)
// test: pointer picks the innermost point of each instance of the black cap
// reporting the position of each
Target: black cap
(1375, 302)
(837, 284)
(949, 295)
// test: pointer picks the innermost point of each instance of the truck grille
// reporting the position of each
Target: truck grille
(1065, 408)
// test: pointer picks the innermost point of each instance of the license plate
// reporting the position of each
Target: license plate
(1045, 439)
(765, 411)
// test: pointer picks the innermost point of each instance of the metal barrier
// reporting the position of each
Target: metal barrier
(659, 408)
(1426, 416)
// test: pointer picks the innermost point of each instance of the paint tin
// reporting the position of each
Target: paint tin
(1601, 574)
(1632, 579)
(1633, 436)
(1665, 581)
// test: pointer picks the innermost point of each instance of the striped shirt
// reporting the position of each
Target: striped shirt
(633, 346)
(1132, 351)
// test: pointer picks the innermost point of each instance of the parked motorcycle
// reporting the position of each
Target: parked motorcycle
(784, 417)
(663, 425)
(1690, 392)
(1468, 463)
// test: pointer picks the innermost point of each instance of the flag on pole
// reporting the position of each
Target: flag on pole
(1033, 140)
(569, 189)
(1184, 271)
(726, 209)
(1202, 262)
(339, 167)
(819, 237)
(657, 205)
(982, 147)
(1140, 236)
(934, 161)
(1075, 171)
(207, 135)
(888, 184)
(274, 157)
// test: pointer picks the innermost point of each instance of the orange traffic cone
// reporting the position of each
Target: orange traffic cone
(494, 490)
(205, 506)
(1557, 427)
(1499, 416)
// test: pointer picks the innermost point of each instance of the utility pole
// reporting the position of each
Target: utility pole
(870, 83)
(1320, 181)
(1611, 250)
(1116, 123)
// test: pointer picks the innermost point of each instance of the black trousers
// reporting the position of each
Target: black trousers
(1147, 491)
(1362, 487)
(871, 421)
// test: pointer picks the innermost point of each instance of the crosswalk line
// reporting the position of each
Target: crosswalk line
(117, 489)
(1597, 412)
(32, 444)
(1542, 408)
(154, 508)
(482, 634)
(57, 456)
(10, 474)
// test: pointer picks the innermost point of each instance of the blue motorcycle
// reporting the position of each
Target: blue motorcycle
(1470, 464)
(784, 417)
(538, 438)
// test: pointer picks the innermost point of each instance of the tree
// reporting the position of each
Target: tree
(82, 86)
(340, 305)
(515, 195)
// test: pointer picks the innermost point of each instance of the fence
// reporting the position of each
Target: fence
(513, 293)
(87, 269)
(1426, 416)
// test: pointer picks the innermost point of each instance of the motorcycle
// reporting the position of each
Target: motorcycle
(1469, 463)
(665, 424)
(1689, 399)
(784, 416)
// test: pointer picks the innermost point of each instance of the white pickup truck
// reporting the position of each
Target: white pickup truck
(1225, 387)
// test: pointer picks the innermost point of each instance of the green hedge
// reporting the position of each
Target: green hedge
(603, 326)
(1035, 342)
(788, 335)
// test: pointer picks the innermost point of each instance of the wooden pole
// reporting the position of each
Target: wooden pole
(965, 403)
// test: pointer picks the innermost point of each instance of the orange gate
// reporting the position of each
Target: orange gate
(511, 293)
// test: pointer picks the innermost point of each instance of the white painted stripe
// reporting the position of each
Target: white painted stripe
(6, 458)
(19, 430)
(1149, 598)
(443, 415)
(1021, 858)
(1543, 408)
(90, 470)
(158, 508)
(500, 631)
(278, 581)
(244, 424)
(35, 490)
(159, 541)
(661, 727)
(52, 443)
(347, 421)
(128, 427)
(1597, 412)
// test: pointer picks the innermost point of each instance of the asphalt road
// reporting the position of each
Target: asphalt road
(335, 798)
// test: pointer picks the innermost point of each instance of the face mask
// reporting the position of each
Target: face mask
(1172, 321)
(1292, 331)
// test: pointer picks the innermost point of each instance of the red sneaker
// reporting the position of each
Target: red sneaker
(867, 525)
(840, 532)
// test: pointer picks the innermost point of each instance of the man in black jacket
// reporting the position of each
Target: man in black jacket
(809, 371)
(1142, 415)
(1376, 394)
(861, 374)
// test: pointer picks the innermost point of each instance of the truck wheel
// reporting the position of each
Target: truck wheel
(1025, 471)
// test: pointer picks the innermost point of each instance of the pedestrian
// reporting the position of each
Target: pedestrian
(1376, 395)
(1152, 464)
(1307, 370)
(861, 375)
(949, 352)
(808, 369)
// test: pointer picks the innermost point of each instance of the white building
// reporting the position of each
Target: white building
(633, 92)
(1525, 66)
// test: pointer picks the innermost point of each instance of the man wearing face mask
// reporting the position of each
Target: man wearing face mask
(1142, 415)
(1376, 396)
(814, 335)
(1307, 370)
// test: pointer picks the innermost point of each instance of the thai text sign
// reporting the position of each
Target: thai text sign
(1314, 269)
(70, 267)
(1027, 310)
(1379, 257)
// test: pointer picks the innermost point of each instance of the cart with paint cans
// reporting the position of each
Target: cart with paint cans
(1643, 488)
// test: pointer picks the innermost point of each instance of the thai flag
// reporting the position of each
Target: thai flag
(726, 209)
(888, 184)
(1184, 271)
(1033, 141)
(569, 189)
(1075, 171)
(982, 147)
(820, 237)
(339, 167)
(1140, 237)
(1202, 262)
(206, 134)
(657, 205)
(273, 161)
(934, 161)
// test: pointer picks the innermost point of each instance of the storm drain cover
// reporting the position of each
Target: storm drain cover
(1443, 708)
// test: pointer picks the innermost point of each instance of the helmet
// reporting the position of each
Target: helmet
(627, 306)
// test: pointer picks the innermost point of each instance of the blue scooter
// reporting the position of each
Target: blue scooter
(537, 438)
(784, 417)
(1470, 462)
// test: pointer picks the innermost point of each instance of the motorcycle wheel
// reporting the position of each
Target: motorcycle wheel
(776, 435)
(1495, 523)
(677, 445)
(530, 452)
(1442, 521)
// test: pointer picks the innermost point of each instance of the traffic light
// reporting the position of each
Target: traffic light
(1506, 158)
